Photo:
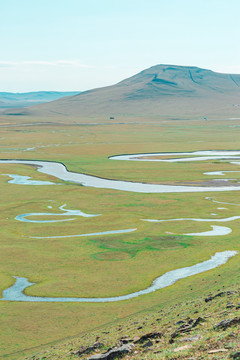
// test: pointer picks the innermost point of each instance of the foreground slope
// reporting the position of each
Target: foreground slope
(161, 90)
(203, 328)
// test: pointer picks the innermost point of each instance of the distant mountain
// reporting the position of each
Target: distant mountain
(11, 100)
(162, 90)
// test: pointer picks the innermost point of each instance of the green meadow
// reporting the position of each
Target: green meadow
(113, 264)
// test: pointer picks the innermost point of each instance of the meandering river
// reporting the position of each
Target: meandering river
(59, 170)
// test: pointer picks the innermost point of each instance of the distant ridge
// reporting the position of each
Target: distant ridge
(161, 90)
(11, 100)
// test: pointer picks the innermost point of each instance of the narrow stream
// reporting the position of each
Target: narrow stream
(67, 212)
(16, 291)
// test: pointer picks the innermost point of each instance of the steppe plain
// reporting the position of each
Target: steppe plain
(109, 265)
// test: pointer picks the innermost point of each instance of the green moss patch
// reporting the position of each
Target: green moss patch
(121, 250)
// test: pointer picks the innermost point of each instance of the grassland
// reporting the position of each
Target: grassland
(114, 264)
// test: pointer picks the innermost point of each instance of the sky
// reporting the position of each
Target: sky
(76, 45)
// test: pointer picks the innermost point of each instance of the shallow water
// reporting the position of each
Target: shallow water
(67, 212)
(216, 231)
(90, 234)
(197, 156)
(60, 171)
(220, 172)
(195, 219)
(25, 180)
(15, 292)
(221, 202)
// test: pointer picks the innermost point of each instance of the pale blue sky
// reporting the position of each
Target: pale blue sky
(82, 44)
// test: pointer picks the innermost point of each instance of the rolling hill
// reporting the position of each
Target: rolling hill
(161, 90)
(12, 100)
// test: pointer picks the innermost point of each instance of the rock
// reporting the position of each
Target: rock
(149, 343)
(210, 298)
(136, 338)
(217, 351)
(224, 324)
(229, 305)
(88, 349)
(114, 353)
(180, 322)
(223, 312)
(124, 340)
(112, 347)
(180, 348)
(236, 355)
(185, 328)
(198, 321)
(190, 339)
(152, 335)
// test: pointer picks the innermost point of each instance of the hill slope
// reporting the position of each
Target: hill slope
(159, 90)
(204, 328)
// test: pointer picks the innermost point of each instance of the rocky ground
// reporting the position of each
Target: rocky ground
(206, 328)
